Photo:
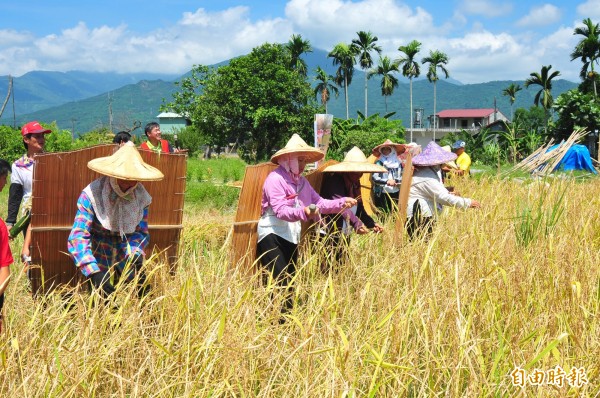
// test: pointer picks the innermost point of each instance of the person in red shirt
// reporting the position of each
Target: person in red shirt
(155, 143)
(6, 258)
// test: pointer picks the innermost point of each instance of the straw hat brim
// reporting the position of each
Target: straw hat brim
(400, 148)
(311, 154)
(426, 159)
(355, 167)
(126, 164)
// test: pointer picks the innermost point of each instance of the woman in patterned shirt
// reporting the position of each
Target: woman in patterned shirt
(110, 230)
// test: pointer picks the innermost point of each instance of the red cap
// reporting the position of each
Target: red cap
(34, 128)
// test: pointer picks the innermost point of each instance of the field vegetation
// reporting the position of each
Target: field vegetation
(515, 284)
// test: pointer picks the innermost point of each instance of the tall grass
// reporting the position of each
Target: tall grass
(452, 316)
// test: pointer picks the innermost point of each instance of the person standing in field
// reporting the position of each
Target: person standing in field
(21, 179)
(155, 143)
(427, 192)
(6, 258)
(463, 160)
(110, 231)
(386, 185)
(343, 180)
(288, 199)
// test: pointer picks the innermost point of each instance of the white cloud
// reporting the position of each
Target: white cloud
(326, 23)
(487, 8)
(589, 9)
(546, 14)
(199, 37)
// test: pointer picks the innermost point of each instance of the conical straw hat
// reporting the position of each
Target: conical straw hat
(433, 155)
(400, 148)
(297, 145)
(355, 161)
(126, 164)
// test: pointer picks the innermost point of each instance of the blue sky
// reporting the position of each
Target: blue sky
(485, 39)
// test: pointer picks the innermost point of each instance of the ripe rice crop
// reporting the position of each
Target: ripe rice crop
(453, 316)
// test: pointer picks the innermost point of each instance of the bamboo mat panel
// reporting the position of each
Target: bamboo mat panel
(366, 189)
(58, 181)
(244, 236)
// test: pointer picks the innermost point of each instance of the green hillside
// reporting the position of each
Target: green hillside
(63, 95)
(132, 102)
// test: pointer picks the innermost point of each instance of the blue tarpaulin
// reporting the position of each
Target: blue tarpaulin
(576, 158)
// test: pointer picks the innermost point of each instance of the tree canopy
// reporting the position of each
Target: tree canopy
(257, 101)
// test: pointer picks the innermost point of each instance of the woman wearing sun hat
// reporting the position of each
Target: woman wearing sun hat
(386, 185)
(343, 180)
(427, 192)
(111, 224)
(288, 199)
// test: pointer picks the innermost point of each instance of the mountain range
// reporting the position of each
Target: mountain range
(83, 101)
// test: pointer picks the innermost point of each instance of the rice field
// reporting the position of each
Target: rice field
(501, 301)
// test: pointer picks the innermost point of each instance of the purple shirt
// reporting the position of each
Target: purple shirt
(281, 193)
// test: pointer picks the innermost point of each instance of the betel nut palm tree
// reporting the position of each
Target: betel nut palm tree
(511, 92)
(436, 60)
(410, 69)
(296, 47)
(588, 49)
(386, 69)
(363, 46)
(343, 56)
(324, 86)
(544, 95)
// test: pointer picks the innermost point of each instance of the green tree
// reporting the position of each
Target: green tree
(511, 92)
(296, 47)
(410, 69)
(588, 49)
(363, 46)
(386, 69)
(544, 95)
(324, 87)
(343, 58)
(257, 101)
(436, 60)
(576, 110)
(365, 133)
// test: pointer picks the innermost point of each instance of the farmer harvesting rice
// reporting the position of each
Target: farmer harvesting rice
(428, 194)
(386, 185)
(343, 180)
(110, 230)
(287, 199)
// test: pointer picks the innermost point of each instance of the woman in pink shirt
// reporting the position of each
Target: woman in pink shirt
(288, 199)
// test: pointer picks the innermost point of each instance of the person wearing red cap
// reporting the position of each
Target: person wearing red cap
(21, 178)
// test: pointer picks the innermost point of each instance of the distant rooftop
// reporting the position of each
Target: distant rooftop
(168, 114)
(466, 113)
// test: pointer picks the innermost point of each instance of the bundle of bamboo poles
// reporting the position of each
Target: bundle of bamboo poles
(543, 161)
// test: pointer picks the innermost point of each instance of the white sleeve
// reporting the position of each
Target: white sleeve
(440, 195)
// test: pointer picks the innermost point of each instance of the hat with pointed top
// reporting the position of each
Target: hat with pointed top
(296, 145)
(355, 161)
(126, 164)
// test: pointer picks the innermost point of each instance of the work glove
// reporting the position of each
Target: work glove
(101, 281)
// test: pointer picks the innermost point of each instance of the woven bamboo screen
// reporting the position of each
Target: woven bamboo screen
(58, 180)
(244, 237)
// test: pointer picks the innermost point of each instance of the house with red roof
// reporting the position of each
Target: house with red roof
(460, 119)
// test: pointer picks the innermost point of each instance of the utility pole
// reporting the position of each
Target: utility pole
(110, 115)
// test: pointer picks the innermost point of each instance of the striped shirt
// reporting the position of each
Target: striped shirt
(95, 248)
